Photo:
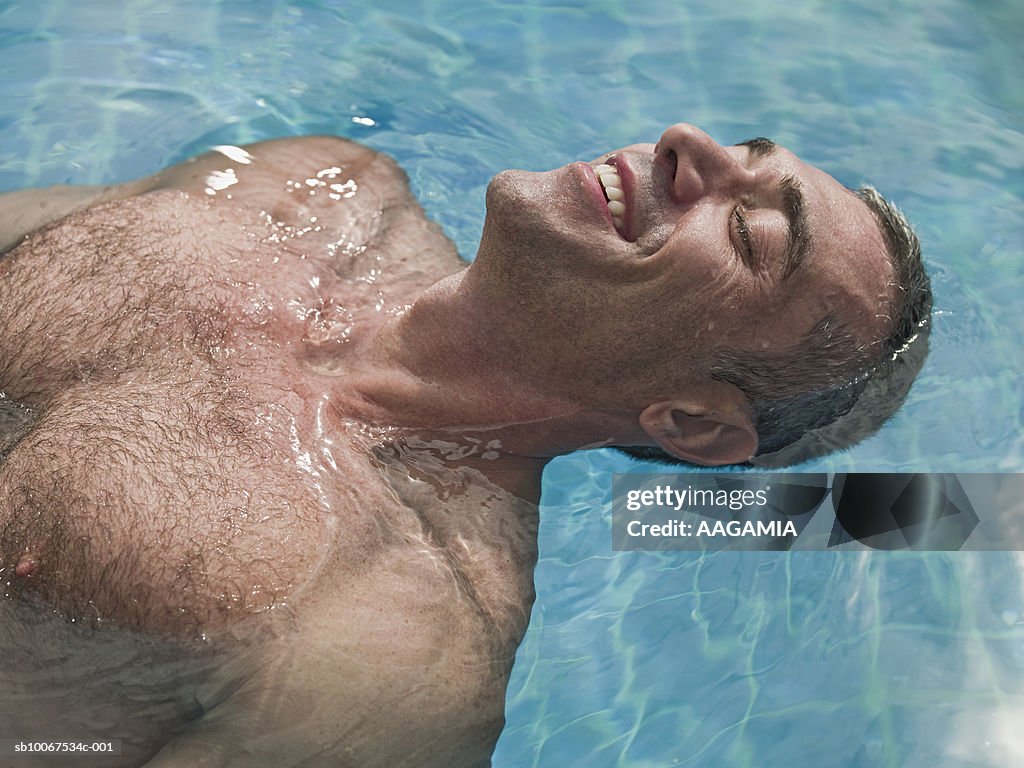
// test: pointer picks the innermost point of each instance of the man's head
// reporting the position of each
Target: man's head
(734, 283)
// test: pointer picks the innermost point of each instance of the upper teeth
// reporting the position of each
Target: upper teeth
(612, 184)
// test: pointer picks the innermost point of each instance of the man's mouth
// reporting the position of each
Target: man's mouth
(611, 184)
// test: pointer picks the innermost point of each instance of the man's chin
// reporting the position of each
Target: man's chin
(522, 214)
(545, 212)
(513, 190)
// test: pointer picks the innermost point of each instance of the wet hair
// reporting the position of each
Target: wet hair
(829, 391)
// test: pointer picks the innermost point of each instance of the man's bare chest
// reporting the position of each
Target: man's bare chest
(186, 472)
(165, 273)
(188, 465)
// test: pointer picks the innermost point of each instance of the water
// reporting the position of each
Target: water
(642, 659)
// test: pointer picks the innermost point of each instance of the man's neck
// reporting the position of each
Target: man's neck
(449, 369)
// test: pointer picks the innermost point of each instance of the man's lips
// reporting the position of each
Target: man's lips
(626, 182)
(595, 191)
(606, 189)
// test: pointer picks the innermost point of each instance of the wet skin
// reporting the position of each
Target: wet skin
(192, 489)
(680, 281)
(286, 449)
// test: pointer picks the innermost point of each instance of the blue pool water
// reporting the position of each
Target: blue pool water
(642, 659)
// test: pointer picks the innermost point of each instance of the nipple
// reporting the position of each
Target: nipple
(27, 565)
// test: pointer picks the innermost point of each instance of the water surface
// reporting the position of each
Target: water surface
(643, 659)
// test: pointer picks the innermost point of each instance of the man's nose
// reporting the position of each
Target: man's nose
(698, 166)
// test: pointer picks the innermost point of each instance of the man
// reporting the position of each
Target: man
(273, 454)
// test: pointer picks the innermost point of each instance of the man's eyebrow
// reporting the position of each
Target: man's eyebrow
(792, 207)
(760, 146)
(796, 217)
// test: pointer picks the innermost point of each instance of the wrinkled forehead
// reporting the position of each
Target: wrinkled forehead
(848, 264)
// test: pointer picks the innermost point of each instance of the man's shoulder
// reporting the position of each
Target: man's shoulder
(273, 164)
(324, 148)
(326, 190)
(249, 172)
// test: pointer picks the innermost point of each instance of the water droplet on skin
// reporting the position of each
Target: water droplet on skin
(328, 323)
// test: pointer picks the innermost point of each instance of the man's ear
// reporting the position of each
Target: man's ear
(712, 425)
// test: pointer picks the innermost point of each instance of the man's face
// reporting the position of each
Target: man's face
(742, 246)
